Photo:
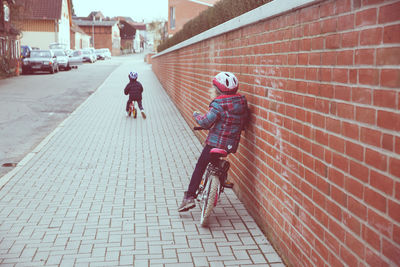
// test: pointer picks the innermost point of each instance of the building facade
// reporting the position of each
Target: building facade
(104, 34)
(46, 22)
(9, 41)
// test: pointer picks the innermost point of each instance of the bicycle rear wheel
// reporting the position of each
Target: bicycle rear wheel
(209, 198)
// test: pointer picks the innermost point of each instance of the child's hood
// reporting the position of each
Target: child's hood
(236, 104)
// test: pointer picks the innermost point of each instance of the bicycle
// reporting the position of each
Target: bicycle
(132, 110)
(213, 183)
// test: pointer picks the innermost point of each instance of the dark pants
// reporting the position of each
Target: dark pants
(199, 170)
(139, 101)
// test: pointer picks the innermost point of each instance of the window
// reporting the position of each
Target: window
(172, 17)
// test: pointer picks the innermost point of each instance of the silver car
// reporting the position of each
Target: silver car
(62, 59)
(40, 60)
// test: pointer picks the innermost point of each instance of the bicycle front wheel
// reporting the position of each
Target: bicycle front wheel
(209, 199)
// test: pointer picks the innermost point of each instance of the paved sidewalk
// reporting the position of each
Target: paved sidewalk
(103, 190)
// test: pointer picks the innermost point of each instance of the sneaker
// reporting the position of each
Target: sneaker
(143, 114)
(187, 203)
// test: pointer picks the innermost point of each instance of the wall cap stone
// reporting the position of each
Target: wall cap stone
(269, 10)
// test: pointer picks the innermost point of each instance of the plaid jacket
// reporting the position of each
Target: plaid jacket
(225, 119)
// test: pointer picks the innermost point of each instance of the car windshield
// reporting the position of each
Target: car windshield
(40, 54)
(59, 53)
(76, 53)
(86, 52)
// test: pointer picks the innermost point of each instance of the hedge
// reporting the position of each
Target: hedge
(221, 12)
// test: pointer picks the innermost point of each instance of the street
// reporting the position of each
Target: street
(31, 106)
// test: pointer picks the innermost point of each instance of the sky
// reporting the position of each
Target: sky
(138, 10)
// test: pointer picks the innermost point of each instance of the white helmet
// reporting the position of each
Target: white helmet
(226, 83)
(133, 75)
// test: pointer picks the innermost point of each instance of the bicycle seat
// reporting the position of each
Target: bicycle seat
(219, 152)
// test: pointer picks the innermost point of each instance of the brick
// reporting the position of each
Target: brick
(391, 34)
(355, 245)
(396, 234)
(340, 162)
(345, 110)
(394, 166)
(388, 142)
(375, 199)
(327, 9)
(354, 187)
(371, 237)
(371, 36)
(355, 206)
(345, 58)
(381, 223)
(342, 92)
(351, 130)
(397, 145)
(355, 151)
(382, 183)
(348, 257)
(376, 159)
(352, 223)
(329, 25)
(350, 39)
(332, 41)
(317, 43)
(328, 58)
(371, 136)
(397, 191)
(340, 75)
(374, 259)
(325, 74)
(388, 56)
(345, 22)
(389, 120)
(366, 115)
(389, 13)
(366, 17)
(365, 57)
(394, 210)
(359, 171)
(368, 76)
(392, 251)
(385, 98)
(390, 78)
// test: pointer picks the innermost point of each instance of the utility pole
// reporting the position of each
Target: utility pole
(93, 31)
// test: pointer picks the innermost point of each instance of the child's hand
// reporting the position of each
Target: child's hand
(196, 113)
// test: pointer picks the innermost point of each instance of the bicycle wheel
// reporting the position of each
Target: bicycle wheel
(209, 199)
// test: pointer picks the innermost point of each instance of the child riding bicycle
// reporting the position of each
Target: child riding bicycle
(135, 90)
(225, 120)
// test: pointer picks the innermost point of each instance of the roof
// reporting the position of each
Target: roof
(76, 28)
(138, 26)
(42, 9)
(108, 23)
(205, 2)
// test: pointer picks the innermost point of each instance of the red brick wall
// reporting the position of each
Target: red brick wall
(319, 167)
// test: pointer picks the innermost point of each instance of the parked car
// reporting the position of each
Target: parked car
(76, 58)
(107, 53)
(89, 56)
(40, 60)
(62, 59)
(100, 54)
